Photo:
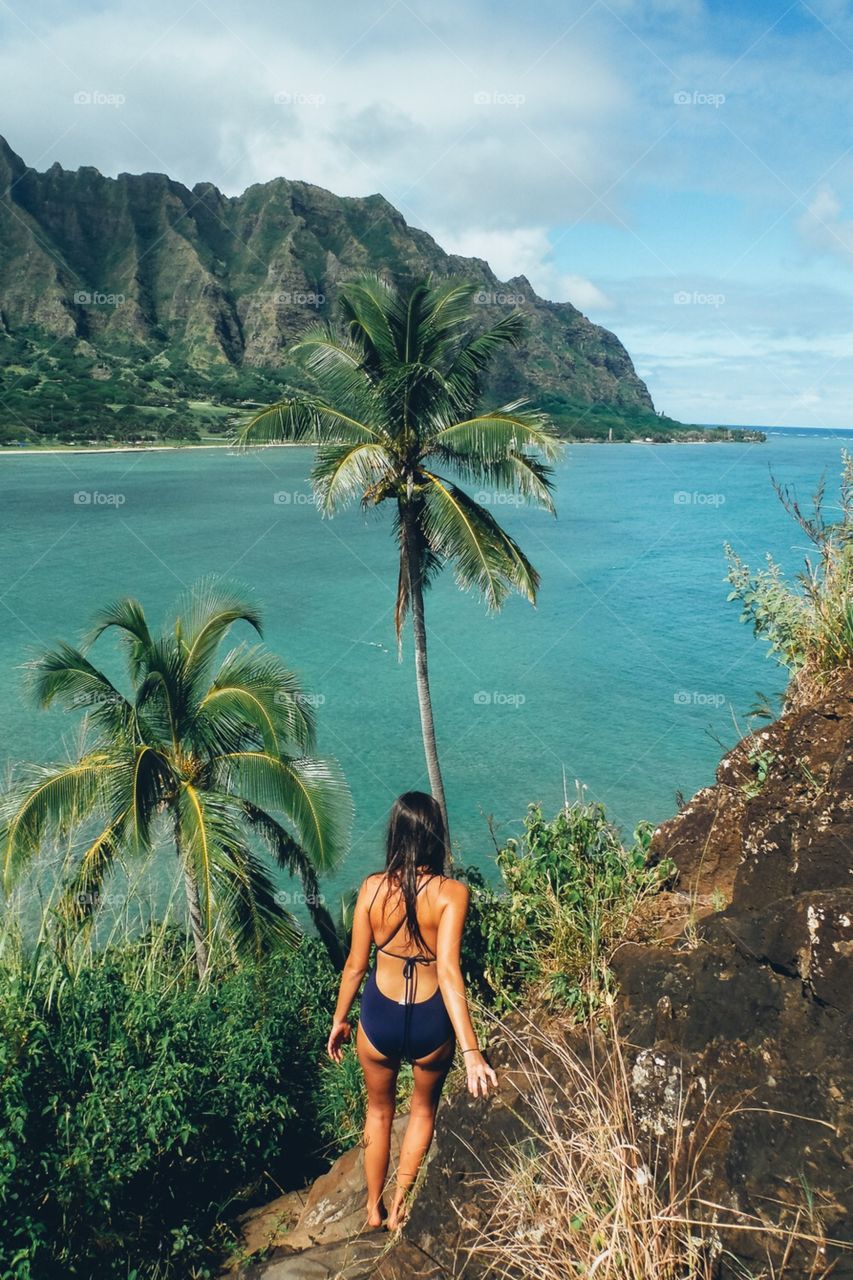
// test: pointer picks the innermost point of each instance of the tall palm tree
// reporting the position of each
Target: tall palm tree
(217, 751)
(397, 393)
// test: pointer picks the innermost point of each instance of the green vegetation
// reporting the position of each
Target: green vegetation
(596, 422)
(398, 391)
(138, 1111)
(568, 889)
(66, 392)
(810, 625)
(207, 755)
(233, 285)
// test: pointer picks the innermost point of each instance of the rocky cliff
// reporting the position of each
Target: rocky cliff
(746, 1008)
(142, 262)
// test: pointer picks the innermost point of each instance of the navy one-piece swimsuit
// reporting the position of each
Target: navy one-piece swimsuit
(404, 1029)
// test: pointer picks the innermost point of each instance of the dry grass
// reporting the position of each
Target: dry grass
(602, 1189)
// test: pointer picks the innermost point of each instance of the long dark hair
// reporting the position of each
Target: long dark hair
(416, 842)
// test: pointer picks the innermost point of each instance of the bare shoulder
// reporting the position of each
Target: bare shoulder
(455, 892)
(371, 883)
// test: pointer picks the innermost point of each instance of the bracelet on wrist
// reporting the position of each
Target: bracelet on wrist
(476, 1049)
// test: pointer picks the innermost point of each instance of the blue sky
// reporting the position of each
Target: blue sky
(682, 171)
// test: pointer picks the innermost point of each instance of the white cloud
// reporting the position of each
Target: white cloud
(822, 227)
(584, 294)
(499, 129)
(526, 251)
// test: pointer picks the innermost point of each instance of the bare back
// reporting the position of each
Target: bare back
(387, 914)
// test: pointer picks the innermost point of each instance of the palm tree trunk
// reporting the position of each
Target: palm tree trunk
(416, 600)
(193, 909)
(323, 922)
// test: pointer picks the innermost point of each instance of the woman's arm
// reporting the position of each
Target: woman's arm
(452, 984)
(351, 978)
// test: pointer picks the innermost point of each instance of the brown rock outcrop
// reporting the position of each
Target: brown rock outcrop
(737, 992)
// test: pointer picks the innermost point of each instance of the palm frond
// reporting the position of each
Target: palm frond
(484, 556)
(311, 794)
(128, 616)
(292, 858)
(205, 617)
(198, 845)
(519, 473)
(304, 420)
(474, 356)
(334, 360)
(80, 894)
(48, 799)
(162, 694)
(255, 698)
(64, 675)
(500, 434)
(343, 472)
(375, 319)
(256, 916)
(446, 315)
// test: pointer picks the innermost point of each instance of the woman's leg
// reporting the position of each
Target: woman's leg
(380, 1078)
(429, 1076)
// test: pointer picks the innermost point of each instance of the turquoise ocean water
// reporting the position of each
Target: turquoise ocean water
(628, 676)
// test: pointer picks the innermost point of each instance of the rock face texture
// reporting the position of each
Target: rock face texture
(738, 995)
(142, 262)
(757, 998)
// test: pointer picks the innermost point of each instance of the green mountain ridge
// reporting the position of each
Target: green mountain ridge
(165, 305)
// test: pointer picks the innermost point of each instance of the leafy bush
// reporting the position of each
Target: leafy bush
(568, 889)
(135, 1114)
(809, 626)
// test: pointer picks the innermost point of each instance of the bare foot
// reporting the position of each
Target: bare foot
(398, 1214)
(376, 1217)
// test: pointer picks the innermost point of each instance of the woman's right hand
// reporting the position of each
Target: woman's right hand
(481, 1077)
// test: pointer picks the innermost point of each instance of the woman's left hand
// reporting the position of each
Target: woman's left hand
(340, 1034)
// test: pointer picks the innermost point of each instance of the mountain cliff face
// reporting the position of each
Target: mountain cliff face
(140, 262)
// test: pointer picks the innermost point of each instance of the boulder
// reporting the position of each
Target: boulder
(303, 1232)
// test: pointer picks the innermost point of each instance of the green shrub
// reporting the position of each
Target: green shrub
(568, 890)
(809, 625)
(136, 1114)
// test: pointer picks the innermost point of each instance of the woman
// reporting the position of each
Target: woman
(414, 1004)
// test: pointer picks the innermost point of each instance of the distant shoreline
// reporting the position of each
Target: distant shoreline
(11, 451)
